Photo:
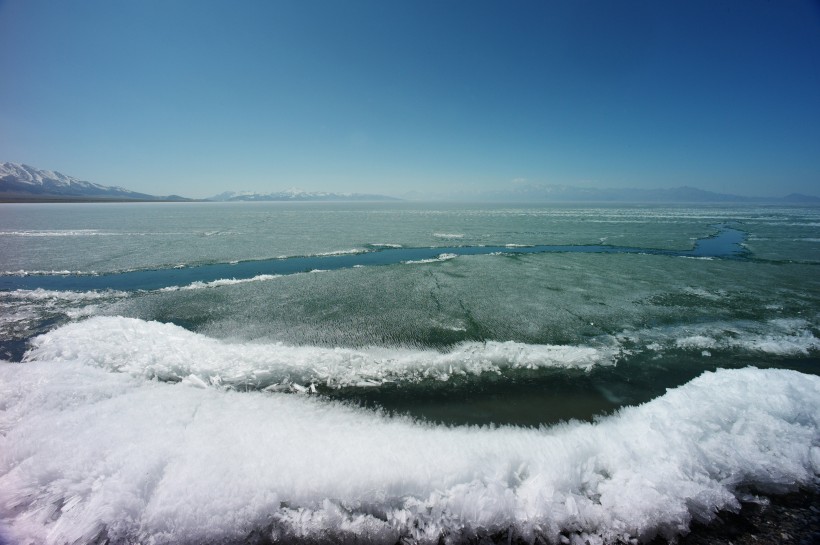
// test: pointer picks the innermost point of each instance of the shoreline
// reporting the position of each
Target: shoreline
(787, 518)
(5, 199)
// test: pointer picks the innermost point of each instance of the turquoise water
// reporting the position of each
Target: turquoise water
(726, 243)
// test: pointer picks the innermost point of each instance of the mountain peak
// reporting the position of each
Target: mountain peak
(27, 183)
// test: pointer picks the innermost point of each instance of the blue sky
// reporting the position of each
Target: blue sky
(390, 96)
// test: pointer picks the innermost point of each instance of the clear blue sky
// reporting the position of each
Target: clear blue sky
(387, 96)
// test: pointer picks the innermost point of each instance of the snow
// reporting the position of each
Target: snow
(169, 352)
(29, 175)
(86, 452)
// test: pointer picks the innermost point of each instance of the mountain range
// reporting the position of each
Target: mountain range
(23, 183)
(26, 183)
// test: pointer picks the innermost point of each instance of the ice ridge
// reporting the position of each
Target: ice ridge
(89, 455)
(171, 353)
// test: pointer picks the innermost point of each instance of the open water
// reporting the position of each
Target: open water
(385, 372)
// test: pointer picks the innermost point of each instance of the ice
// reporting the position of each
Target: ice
(22, 312)
(132, 431)
(40, 294)
(343, 252)
(696, 341)
(441, 257)
(778, 337)
(57, 233)
(86, 453)
(22, 272)
(700, 292)
(169, 352)
(221, 282)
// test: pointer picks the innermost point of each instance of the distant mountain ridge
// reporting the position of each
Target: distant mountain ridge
(24, 182)
(290, 195)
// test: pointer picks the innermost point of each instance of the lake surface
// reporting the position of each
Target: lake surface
(330, 363)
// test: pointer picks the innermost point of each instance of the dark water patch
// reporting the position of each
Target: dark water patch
(15, 344)
(547, 396)
(13, 349)
(643, 377)
(520, 398)
(786, 518)
(725, 244)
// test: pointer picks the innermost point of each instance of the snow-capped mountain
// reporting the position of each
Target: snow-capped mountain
(297, 195)
(28, 183)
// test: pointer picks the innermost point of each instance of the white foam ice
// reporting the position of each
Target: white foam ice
(169, 352)
(88, 455)
(40, 233)
(57, 233)
(22, 272)
(219, 233)
(221, 282)
(441, 257)
(779, 337)
(351, 251)
(706, 294)
(696, 341)
(41, 294)
(342, 252)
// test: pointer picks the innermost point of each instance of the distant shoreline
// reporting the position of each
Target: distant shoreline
(4, 199)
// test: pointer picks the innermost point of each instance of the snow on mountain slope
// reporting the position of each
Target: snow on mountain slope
(25, 180)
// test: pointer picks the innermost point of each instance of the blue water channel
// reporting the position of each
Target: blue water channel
(725, 244)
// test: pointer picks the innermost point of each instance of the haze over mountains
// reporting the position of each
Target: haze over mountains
(24, 183)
